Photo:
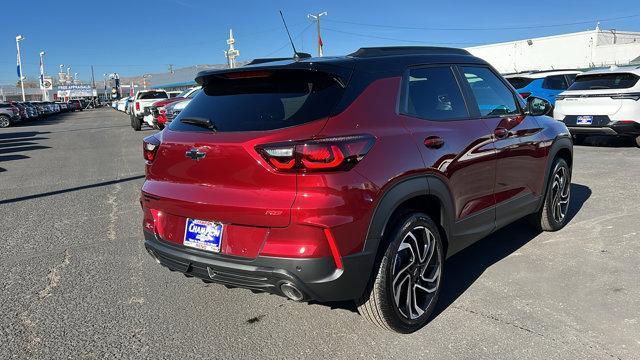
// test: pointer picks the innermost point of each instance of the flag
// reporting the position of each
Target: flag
(41, 72)
(18, 65)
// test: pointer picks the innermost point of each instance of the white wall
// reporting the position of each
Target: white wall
(575, 50)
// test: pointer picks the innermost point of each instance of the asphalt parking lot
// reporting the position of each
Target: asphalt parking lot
(76, 281)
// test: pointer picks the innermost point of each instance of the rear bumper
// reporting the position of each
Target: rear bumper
(625, 129)
(317, 278)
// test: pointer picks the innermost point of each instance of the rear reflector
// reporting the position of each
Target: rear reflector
(334, 248)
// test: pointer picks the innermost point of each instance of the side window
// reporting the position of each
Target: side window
(555, 82)
(493, 97)
(433, 93)
(570, 78)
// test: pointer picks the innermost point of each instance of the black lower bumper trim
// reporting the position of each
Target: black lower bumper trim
(317, 278)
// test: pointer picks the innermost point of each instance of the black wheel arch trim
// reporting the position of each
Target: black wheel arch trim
(559, 143)
(398, 193)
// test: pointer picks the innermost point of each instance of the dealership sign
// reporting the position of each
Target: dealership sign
(47, 83)
(75, 91)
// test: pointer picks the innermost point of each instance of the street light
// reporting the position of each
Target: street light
(144, 80)
(18, 39)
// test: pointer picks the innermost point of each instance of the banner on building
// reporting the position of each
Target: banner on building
(75, 91)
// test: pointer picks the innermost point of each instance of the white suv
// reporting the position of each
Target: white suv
(602, 102)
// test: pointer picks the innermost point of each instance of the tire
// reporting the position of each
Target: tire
(552, 216)
(4, 121)
(383, 303)
(136, 124)
(638, 141)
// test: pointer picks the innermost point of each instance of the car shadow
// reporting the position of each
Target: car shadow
(48, 120)
(465, 267)
(14, 145)
(609, 141)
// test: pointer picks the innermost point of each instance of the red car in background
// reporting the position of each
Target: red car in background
(350, 178)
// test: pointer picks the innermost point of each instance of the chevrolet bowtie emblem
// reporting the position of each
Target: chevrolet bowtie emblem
(195, 154)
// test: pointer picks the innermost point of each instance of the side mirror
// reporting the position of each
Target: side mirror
(537, 106)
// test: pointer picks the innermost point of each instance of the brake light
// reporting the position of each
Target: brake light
(328, 154)
(524, 95)
(137, 105)
(248, 74)
(150, 146)
(626, 121)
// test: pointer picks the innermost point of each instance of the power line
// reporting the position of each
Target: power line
(397, 39)
(288, 43)
(593, 21)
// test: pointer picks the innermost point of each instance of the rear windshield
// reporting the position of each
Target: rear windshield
(269, 100)
(153, 95)
(604, 81)
(519, 82)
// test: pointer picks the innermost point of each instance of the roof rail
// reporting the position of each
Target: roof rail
(406, 50)
(551, 70)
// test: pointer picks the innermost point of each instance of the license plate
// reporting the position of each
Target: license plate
(584, 120)
(203, 235)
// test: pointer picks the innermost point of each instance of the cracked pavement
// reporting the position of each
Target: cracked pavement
(76, 281)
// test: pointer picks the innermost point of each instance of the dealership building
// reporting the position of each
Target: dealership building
(579, 50)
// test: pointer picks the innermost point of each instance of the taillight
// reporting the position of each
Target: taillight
(150, 146)
(328, 154)
(137, 105)
(524, 95)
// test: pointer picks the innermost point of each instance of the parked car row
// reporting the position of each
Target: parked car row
(154, 108)
(18, 111)
(596, 102)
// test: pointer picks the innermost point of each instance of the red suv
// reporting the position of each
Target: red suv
(350, 178)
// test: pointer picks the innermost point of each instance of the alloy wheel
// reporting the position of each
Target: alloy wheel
(560, 192)
(416, 272)
(4, 122)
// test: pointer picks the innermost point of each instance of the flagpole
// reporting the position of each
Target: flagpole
(18, 39)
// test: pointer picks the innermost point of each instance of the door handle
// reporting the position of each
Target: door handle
(433, 142)
(501, 133)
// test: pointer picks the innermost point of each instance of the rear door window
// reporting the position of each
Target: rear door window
(492, 96)
(604, 81)
(433, 94)
(262, 100)
(555, 82)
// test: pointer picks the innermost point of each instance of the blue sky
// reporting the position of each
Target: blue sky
(145, 36)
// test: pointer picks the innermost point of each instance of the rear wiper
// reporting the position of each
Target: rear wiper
(200, 121)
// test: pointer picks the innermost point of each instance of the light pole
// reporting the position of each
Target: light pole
(144, 80)
(75, 78)
(18, 39)
(316, 17)
(68, 74)
(104, 76)
(61, 74)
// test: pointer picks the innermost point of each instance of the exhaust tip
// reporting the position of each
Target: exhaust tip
(153, 255)
(291, 291)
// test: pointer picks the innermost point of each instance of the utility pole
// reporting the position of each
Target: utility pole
(18, 39)
(316, 17)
